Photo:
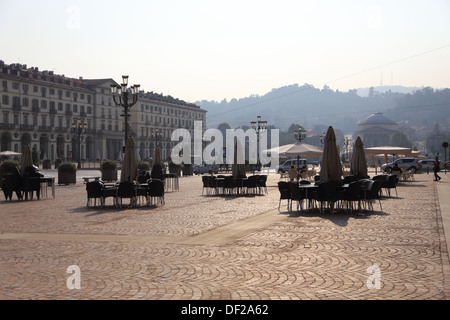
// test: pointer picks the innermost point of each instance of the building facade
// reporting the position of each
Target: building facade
(38, 108)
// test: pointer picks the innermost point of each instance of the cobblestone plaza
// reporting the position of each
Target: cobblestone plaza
(203, 247)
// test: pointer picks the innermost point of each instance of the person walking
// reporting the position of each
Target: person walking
(436, 169)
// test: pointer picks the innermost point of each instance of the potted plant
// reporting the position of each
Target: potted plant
(174, 168)
(143, 166)
(109, 170)
(7, 166)
(67, 173)
(47, 164)
(188, 170)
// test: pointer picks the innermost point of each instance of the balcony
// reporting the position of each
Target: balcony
(17, 107)
(8, 126)
(35, 109)
(53, 110)
(45, 128)
(61, 129)
(27, 127)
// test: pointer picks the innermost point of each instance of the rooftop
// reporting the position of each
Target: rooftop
(377, 118)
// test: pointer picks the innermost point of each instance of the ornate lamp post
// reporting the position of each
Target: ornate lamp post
(126, 98)
(78, 128)
(300, 134)
(259, 126)
(347, 145)
(155, 134)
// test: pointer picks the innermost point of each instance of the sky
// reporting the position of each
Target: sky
(213, 50)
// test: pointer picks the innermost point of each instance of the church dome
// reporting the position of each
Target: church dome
(376, 119)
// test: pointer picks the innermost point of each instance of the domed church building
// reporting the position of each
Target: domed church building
(377, 130)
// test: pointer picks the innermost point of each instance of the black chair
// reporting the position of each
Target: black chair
(127, 190)
(156, 190)
(205, 184)
(327, 195)
(391, 183)
(383, 178)
(109, 192)
(212, 184)
(297, 194)
(374, 193)
(351, 194)
(229, 185)
(262, 181)
(366, 185)
(251, 183)
(285, 193)
(94, 191)
(142, 192)
(12, 182)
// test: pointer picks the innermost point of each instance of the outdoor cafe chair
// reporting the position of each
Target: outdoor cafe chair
(251, 184)
(127, 190)
(351, 194)
(327, 195)
(12, 182)
(109, 192)
(156, 191)
(262, 181)
(297, 194)
(205, 184)
(285, 193)
(374, 193)
(94, 191)
(142, 192)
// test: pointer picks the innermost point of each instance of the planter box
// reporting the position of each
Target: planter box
(67, 177)
(109, 175)
(188, 171)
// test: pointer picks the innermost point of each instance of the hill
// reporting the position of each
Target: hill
(311, 106)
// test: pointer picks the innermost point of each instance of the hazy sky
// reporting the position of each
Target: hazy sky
(194, 49)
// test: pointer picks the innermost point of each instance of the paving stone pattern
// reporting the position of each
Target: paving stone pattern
(213, 247)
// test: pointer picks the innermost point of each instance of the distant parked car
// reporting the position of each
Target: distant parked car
(205, 168)
(429, 164)
(286, 166)
(404, 164)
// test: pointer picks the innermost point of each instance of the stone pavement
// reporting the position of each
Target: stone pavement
(220, 248)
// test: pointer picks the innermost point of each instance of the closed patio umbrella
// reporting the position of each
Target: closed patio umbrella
(358, 165)
(331, 168)
(129, 164)
(26, 159)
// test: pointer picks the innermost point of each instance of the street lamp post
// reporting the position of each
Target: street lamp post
(300, 135)
(78, 128)
(259, 126)
(155, 134)
(126, 98)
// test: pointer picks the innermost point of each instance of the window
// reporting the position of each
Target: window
(5, 99)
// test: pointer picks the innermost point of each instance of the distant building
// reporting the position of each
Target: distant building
(38, 108)
(434, 141)
(377, 130)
